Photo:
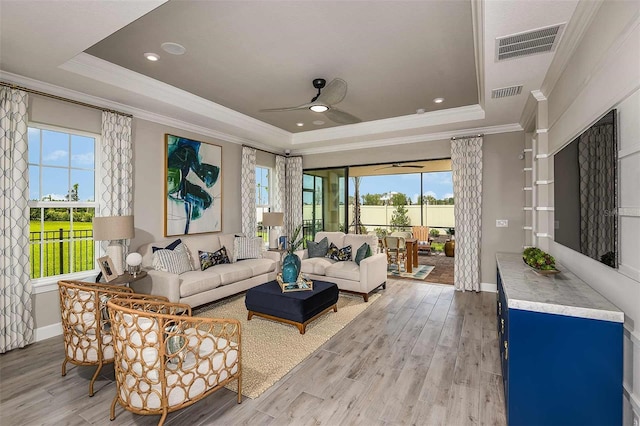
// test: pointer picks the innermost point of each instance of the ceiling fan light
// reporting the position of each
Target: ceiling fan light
(319, 108)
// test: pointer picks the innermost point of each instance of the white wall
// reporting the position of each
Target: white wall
(604, 73)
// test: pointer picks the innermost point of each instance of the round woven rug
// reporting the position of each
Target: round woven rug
(271, 349)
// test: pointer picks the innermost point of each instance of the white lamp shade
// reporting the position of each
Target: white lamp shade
(134, 259)
(272, 219)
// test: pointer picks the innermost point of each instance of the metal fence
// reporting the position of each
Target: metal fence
(52, 252)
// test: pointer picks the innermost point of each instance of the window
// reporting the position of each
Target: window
(62, 204)
(263, 199)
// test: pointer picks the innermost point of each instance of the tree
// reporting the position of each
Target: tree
(73, 193)
(372, 200)
(399, 199)
(400, 220)
(356, 224)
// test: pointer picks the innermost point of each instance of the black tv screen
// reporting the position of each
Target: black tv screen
(585, 192)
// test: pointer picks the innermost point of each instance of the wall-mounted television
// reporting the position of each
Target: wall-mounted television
(586, 192)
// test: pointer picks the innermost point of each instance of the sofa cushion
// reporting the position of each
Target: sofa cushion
(336, 237)
(258, 266)
(356, 241)
(316, 265)
(345, 270)
(195, 282)
(230, 273)
(208, 259)
(318, 249)
(171, 246)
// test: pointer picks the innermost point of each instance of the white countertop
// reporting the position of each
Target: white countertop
(562, 294)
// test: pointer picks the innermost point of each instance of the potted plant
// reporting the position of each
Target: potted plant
(291, 263)
(450, 245)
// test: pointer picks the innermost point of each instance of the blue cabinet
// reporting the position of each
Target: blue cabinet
(558, 369)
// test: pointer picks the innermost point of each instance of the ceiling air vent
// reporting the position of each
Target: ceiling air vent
(528, 43)
(506, 91)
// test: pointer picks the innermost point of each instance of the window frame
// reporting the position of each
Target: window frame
(44, 284)
(269, 183)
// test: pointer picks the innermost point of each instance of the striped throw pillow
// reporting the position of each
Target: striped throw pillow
(174, 261)
(248, 248)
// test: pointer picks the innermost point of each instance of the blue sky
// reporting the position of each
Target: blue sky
(64, 161)
(437, 184)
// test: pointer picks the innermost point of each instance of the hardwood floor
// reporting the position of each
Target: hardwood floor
(422, 354)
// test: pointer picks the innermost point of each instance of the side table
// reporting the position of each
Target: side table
(125, 278)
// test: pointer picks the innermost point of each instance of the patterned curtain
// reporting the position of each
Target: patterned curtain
(466, 164)
(279, 184)
(597, 160)
(248, 192)
(16, 320)
(293, 198)
(116, 168)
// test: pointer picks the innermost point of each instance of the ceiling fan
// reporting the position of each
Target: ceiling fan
(412, 166)
(324, 101)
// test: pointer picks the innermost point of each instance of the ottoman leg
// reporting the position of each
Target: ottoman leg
(302, 328)
(249, 315)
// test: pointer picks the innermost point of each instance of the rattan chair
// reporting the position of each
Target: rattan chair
(166, 360)
(85, 323)
(395, 247)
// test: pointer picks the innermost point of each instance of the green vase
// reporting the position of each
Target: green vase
(290, 268)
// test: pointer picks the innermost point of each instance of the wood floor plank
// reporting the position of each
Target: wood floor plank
(421, 354)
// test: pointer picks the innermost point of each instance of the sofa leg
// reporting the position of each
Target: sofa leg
(366, 297)
(384, 285)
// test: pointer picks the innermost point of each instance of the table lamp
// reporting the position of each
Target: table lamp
(271, 220)
(114, 229)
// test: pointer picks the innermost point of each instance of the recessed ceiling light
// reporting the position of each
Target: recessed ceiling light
(438, 100)
(420, 111)
(173, 48)
(318, 122)
(151, 56)
(299, 124)
(318, 108)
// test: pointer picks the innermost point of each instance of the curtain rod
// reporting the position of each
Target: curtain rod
(60, 98)
(270, 152)
(479, 135)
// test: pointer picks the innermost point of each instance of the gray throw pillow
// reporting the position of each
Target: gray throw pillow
(318, 249)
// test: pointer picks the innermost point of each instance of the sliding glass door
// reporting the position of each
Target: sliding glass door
(324, 199)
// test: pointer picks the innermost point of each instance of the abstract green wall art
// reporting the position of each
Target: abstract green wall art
(193, 187)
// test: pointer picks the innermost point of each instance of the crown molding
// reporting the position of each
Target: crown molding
(477, 20)
(114, 75)
(136, 112)
(407, 122)
(427, 137)
(572, 36)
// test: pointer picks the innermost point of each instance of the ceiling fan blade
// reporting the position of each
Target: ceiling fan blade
(333, 93)
(294, 108)
(341, 117)
(414, 166)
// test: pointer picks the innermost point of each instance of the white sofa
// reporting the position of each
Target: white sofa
(350, 277)
(198, 287)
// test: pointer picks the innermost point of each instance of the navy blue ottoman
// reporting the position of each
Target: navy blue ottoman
(298, 308)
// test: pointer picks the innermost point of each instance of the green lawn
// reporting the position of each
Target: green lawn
(55, 253)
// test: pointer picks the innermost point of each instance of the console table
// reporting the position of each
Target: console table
(560, 346)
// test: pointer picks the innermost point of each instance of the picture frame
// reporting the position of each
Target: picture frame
(106, 267)
(192, 187)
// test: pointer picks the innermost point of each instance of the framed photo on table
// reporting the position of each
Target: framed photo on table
(106, 266)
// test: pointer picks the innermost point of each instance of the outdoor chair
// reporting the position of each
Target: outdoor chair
(421, 234)
(166, 360)
(395, 247)
(86, 328)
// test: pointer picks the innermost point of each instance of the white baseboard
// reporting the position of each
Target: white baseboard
(489, 287)
(48, 331)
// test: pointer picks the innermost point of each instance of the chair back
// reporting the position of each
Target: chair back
(165, 359)
(404, 234)
(421, 233)
(394, 243)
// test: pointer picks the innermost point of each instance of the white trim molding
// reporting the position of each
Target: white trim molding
(543, 235)
(489, 287)
(629, 211)
(544, 182)
(48, 331)
(544, 209)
